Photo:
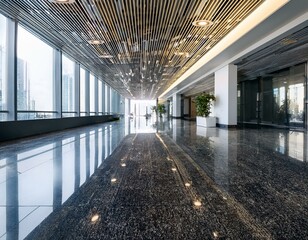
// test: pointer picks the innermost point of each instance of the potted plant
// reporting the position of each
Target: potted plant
(203, 108)
(161, 109)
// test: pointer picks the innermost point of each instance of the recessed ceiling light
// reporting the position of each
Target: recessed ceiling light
(186, 54)
(202, 23)
(105, 56)
(62, 1)
(95, 42)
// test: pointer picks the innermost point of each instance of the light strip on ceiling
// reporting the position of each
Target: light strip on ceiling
(265, 10)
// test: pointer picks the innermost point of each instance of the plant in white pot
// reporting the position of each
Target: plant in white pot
(203, 108)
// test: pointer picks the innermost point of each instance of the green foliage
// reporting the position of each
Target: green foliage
(161, 109)
(203, 104)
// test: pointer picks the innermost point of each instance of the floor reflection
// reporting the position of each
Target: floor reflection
(147, 125)
(288, 143)
(39, 175)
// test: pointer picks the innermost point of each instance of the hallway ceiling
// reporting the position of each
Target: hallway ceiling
(288, 51)
(138, 47)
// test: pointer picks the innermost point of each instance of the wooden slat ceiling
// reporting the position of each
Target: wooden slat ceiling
(144, 45)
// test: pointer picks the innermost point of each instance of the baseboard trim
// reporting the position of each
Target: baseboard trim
(225, 126)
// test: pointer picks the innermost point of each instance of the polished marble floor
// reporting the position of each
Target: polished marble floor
(142, 179)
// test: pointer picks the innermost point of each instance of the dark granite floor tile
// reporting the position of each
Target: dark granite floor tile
(156, 205)
(257, 173)
(251, 184)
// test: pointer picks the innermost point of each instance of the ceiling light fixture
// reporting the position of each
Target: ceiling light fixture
(95, 42)
(202, 23)
(186, 54)
(62, 1)
(105, 56)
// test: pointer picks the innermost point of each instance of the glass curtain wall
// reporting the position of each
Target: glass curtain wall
(275, 99)
(68, 87)
(37, 87)
(3, 80)
(34, 77)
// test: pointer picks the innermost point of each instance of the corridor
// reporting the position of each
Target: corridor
(138, 179)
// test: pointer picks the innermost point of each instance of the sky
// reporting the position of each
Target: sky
(39, 57)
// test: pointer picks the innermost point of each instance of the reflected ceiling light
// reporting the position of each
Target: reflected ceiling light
(95, 42)
(95, 218)
(113, 180)
(123, 165)
(197, 203)
(187, 184)
(202, 23)
(173, 169)
(215, 234)
(62, 1)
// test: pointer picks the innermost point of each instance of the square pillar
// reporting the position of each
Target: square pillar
(96, 95)
(77, 89)
(103, 98)
(107, 99)
(176, 104)
(127, 107)
(225, 106)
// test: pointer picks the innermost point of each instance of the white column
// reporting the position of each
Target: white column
(122, 105)
(111, 100)
(108, 99)
(176, 104)
(87, 93)
(225, 106)
(96, 95)
(77, 89)
(116, 102)
(127, 107)
(11, 73)
(57, 82)
(103, 98)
